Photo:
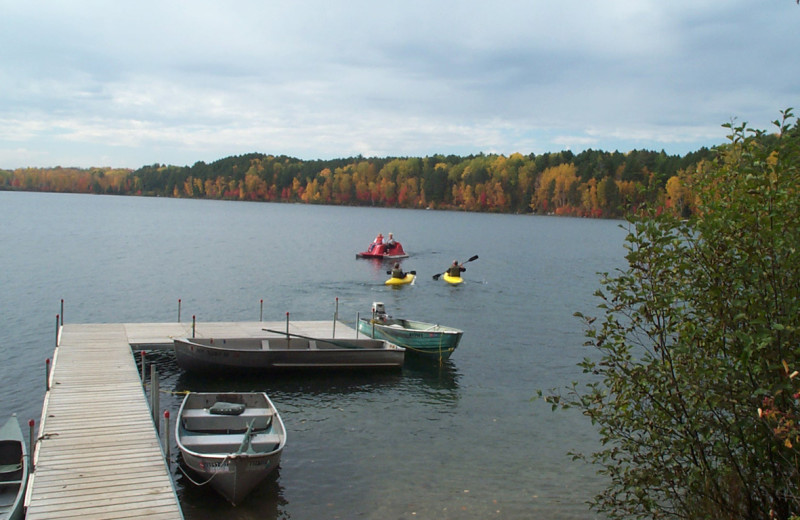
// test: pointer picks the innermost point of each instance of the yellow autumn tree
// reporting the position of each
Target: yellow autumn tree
(553, 187)
(674, 192)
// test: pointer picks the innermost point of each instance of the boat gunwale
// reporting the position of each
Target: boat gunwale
(386, 345)
(441, 329)
(228, 455)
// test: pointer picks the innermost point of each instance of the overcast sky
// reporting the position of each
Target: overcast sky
(128, 83)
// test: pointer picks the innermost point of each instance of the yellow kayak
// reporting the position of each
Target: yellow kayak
(401, 281)
(455, 280)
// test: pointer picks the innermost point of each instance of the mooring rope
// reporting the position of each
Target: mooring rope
(193, 481)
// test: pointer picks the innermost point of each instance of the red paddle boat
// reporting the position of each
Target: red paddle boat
(380, 249)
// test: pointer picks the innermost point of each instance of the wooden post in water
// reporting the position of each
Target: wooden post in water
(194, 322)
(47, 374)
(179, 310)
(62, 311)
(154, 394)
(358, 320)
(56, 330)
(335, 317)
(166, 434)
(30, 446)
(261, 316)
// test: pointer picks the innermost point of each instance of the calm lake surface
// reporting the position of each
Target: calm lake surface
(465, 440)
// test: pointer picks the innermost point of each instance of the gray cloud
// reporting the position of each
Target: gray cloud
(132, 83)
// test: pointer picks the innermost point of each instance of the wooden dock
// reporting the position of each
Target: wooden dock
(98, 454)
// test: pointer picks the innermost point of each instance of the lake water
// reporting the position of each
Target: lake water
(465, 440)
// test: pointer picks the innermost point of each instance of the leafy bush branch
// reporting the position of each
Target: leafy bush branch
(694, 337)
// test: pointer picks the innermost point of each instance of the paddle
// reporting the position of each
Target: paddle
(407, 272)
(436, 276)
(331, 341)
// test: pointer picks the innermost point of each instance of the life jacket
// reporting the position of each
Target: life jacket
(455, 271)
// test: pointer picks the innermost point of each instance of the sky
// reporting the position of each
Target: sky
(130, 83)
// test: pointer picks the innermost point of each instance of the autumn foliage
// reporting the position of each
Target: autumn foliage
(590, 184)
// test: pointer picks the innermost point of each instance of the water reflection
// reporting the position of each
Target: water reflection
(202, 502)
(327, 416)
(431, 380)
(423, 374)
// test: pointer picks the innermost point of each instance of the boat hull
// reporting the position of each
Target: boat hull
(383, 252)
(232, 453)
(407, 279)
(275, 353)
(452, 280)
(417, 337)
(13, 470)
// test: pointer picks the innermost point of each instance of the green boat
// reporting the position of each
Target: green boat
(13, 471)
(417, 337)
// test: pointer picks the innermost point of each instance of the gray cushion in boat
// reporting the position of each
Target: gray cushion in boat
(223, 408)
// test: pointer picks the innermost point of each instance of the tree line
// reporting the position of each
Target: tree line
(591, 183)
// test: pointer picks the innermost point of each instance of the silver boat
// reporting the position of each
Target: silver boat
(13, 470)
(230, 441)
(282, 353)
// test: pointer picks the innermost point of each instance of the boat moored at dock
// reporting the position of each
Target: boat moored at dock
(232, 441)
(13, 470)
(417, 337)
(285, 353)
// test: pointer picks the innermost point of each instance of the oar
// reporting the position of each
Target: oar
(436, 276)
(332, 342)
(244, 447)
(407, 272)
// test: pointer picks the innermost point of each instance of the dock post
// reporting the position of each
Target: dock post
(144, 373)
(261, 316)
(62, 311)
(287, 325)
(154, 394)
(30, 446)
(47, 374)
(335, 317)
(179, 310)
(358, 320)
(57, 330)
(166, 434)
(194, 321)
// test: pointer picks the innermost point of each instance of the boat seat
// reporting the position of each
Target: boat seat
(202, 421)
(287, 344)
(260, 442)
(10, 468)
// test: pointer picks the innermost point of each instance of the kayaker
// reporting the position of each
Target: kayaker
(396, 271)
(456, 269)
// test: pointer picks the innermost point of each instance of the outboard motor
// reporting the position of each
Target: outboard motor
(378, 311)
